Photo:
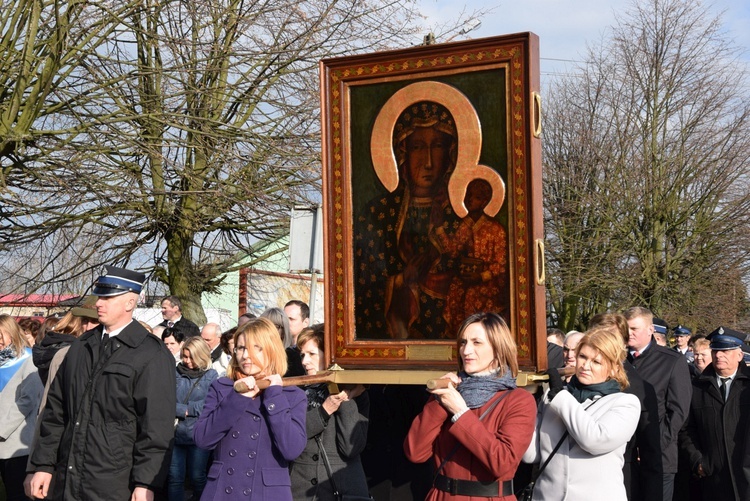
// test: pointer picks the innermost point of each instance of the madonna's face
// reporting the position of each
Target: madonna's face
(427, 159)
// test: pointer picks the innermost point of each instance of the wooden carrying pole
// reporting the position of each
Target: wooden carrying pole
(374, 376)
(523, 379)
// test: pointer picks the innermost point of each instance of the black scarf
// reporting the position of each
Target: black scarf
(190, 373)
(583, 392)
(316, 395)
(216, 353)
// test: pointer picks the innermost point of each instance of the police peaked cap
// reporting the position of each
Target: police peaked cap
(660, 326)
(119, 281)
(682, 331)
(726, 339)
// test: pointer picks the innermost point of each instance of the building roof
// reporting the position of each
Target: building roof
(41, 300)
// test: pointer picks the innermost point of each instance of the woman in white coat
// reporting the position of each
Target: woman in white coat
(599, 420)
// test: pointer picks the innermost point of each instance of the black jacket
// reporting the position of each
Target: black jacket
(44, 352)
(186, 326)
(716, 435)
(667, 371)
(642, 470)
(109, 421)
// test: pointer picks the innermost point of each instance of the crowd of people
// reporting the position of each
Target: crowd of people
(86, 414)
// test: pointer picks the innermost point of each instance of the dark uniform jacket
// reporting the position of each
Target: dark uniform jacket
(667, 371)
(716, 435)
(109, 421)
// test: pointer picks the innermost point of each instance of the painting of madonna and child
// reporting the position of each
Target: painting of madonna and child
(430, 241)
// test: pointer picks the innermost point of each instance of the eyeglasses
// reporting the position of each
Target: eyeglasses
(242, 349)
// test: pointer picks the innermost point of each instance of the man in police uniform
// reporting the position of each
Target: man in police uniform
(682, 340)
(715, 438)
(660, 332)
(108, 424)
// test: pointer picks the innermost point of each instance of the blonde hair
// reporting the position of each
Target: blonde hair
(500, 338)
(9, 326)
(69, 324)
(701, 343)
(639, 311)
(607, 342)
(263, 332)
(199, 352)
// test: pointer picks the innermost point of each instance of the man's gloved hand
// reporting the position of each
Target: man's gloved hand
(556, 384)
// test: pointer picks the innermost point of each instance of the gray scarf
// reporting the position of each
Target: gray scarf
(7, 354)
(477, 390)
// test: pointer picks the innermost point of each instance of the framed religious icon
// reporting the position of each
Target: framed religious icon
(432, 201)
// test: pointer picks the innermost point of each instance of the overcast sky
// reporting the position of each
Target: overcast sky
(565, 27)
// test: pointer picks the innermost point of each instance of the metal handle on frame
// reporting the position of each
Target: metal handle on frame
(539, 261)
(536, 114)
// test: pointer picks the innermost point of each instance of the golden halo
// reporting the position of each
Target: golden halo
(469, 143)
(457, 189)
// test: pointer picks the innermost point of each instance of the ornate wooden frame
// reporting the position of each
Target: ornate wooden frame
(353, 90)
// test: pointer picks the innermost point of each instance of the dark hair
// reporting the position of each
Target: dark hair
(248, 315)
(304, 310)
(225, 338)
(178, 335)
(174, 301)
(30, 324)
(559, 334)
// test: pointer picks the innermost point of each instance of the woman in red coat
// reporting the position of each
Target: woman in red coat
(476, 458)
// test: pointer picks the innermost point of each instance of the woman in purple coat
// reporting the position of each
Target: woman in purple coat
(254, 435)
